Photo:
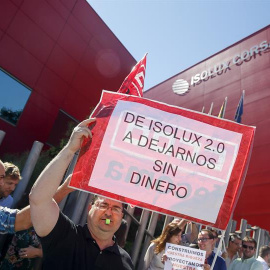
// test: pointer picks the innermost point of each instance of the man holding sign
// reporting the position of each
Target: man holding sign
(65, 245)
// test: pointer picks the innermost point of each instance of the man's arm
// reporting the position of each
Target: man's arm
(194, 231)
(44, 210)
(23, 217)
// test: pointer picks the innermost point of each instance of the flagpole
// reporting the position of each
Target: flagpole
(203, 109)
(211, 108)
(238, 110)
(225, 105)
(218, 249)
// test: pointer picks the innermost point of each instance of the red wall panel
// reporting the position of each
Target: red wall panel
(8, 15)
(253, 76)
(65, 53)
(62, 64)
(72, 43)
(45, 16)
(26, 33)
(60, 8)
(51, 86)
(20, 63)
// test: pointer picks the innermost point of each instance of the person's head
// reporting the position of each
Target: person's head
(264, 252)
(171, 234)
(206, 240)
(11, 179)
(215, 234)
(249, 246)
(104, 217)
(235, 243)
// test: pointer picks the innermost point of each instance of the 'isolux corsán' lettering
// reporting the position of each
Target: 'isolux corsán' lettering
(225, 66)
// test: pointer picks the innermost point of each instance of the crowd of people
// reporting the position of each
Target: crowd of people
(65, 245)
(238, 255)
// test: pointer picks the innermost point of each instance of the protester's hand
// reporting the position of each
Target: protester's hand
(224, 255)
(164, 258)
(79, 133)
(29, 252)
(182, 223)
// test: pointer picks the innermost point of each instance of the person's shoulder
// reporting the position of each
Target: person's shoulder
(220, 259)
(123, 252)
(7, 201)
(7, 220)
(152, 246)
(257, 265)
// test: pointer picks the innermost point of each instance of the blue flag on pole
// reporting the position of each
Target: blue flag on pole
(240, 109)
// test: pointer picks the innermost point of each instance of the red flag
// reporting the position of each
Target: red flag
(134, 82)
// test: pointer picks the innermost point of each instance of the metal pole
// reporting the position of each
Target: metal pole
(128, 218)
(27, 171)
(168, 219)
(78, 209)
(139, 236)
(218, 250)
(2, 135)
(84, 215)
(257, 237)
(227, 233)
(151, 229)
(243, 228)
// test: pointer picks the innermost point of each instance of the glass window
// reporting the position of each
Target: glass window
(13, 97)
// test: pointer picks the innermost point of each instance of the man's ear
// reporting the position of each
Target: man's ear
(89, 207)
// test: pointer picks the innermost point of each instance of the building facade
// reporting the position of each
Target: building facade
(56, 56)
(244, 65)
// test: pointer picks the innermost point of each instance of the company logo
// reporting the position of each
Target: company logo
(181, 86)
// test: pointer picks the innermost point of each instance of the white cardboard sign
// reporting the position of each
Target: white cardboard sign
(166, 160)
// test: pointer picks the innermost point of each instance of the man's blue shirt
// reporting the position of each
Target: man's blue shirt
(7, 220)
(219, 264)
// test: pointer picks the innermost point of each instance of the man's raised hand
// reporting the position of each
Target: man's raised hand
(79, 133)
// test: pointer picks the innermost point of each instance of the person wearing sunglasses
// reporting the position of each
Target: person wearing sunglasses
(247, 262)
(233, 250)
(206, 241)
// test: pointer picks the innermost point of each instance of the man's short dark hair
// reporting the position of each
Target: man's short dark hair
(234, 236)
(250, 240)
(210, 233)
(264, 251)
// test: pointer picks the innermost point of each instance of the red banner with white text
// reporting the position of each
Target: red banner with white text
(165, 159)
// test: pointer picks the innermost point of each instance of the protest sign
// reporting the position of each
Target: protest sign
(165, 159)
(181, 257)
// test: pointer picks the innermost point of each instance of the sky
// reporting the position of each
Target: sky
(177, 34)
